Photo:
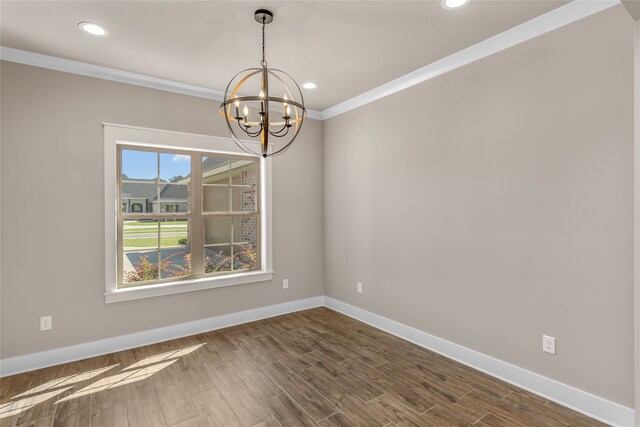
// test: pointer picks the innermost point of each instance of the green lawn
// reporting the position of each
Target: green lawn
(151, 242)
(154, 229)
(132, 222)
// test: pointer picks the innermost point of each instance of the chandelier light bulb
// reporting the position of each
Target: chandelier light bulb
(261, 94)
(246, 111)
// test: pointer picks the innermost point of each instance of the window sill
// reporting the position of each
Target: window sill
(150, 291)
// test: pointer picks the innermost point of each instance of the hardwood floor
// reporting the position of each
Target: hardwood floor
(314, 367)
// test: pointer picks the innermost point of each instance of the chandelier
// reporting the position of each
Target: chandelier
(260, 123)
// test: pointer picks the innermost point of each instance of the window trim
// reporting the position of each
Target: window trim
(115, 134)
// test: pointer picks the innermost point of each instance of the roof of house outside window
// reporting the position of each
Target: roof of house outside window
(141, 190)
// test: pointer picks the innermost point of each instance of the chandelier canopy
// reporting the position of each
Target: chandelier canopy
(259, 122)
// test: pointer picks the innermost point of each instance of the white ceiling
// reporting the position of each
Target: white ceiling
(347, 47)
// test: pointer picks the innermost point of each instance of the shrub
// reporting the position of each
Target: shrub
(183, 241)
(217, 262)
(245, 259)
(144, 270)
(179, 270)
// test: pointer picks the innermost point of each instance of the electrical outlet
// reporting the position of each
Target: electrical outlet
(46, 323)
(285, 284)
(359, 287)
(549, 344)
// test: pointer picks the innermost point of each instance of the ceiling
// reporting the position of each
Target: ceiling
(347, 47)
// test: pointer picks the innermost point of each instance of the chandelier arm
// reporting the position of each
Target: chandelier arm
(246, 130)
(260, 131)
(253, 134)
(286, 147)
(249, 134)
(279, 134)
(275, 133)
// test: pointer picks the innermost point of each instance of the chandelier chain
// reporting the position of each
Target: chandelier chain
(264, 61)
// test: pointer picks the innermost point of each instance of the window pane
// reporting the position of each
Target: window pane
(215, 170)
(245, 229)
(174, 167)
(174, 198)
(217, 230)
(139, 165)
(243, 179)
(243, 172)
(140, 255)
(217, 248)
(138, 197)
(175, 248)
(243, 199)
(244, 239)
(215, 199)
(217, 259)
(140, 234)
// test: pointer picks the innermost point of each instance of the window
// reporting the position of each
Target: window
(191, 213)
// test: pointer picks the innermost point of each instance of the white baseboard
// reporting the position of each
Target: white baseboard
(571, 397)
(32, 361)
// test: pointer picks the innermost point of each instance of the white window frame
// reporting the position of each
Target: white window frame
(115, 134)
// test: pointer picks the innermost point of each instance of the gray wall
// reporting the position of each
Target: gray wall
(494, 204)
(53, 211)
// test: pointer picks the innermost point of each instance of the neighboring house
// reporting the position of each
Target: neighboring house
(142, 196)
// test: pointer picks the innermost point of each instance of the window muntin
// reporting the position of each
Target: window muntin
(166, 216)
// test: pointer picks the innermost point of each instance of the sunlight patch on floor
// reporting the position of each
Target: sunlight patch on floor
(138, 371)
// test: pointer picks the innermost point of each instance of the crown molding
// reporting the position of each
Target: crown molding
(557, 18)
(106, 73)
(564, 15)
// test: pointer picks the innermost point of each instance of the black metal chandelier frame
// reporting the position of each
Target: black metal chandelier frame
(294, 112)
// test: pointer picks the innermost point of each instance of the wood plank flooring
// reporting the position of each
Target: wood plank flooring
(310, 368)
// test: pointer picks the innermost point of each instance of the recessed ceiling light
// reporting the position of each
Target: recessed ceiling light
(309, 85)
(454, 4)
(93, 29)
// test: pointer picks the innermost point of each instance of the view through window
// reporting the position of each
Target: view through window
(185, 214)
